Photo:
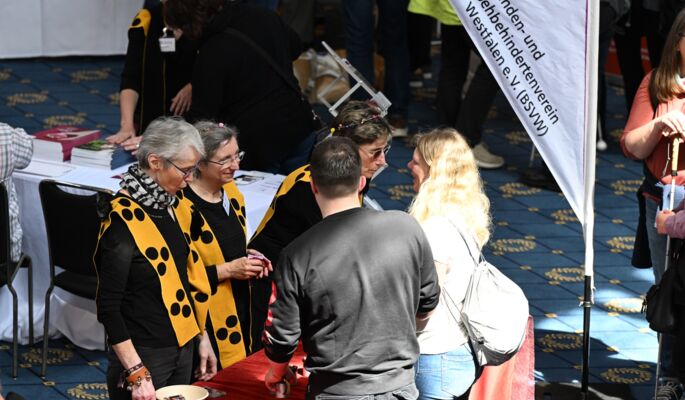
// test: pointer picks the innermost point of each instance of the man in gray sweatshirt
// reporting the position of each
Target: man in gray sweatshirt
(351, 288)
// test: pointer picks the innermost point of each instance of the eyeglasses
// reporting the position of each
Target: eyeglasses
(237, 157)
(376, 154)
(185, 171)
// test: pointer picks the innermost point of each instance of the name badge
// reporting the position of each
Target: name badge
(167, 44)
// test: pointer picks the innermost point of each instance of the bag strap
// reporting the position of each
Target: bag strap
(480, 258)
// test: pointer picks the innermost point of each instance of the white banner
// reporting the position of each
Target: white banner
(538, 52)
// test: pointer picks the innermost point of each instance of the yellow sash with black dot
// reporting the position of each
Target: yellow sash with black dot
(142, 20)
(301, 174)
(186, 322)
(222, 308)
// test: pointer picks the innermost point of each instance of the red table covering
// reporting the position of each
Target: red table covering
(512, 380)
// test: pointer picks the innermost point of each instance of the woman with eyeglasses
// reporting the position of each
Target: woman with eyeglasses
(217, 227)
(153, 291)
(294, 209)
(656, 119)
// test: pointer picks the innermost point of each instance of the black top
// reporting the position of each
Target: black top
(231, 239)
(235, 85)
(156, 76)
(129, 298)
(350, 288)
(294, 212)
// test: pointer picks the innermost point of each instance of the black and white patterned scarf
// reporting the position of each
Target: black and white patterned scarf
(144, 190)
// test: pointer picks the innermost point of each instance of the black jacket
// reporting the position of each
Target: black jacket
(233, 84)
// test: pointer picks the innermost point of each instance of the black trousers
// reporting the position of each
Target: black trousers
(641, 22)
(167, 365)
(469, 115)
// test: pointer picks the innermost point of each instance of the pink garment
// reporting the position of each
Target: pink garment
(642, 113)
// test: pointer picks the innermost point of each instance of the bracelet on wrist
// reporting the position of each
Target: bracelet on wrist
(136, 378)
(133, 369)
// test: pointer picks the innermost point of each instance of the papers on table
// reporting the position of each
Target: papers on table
(49, 169)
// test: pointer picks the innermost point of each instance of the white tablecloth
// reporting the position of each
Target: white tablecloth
(70, 315)
(31, 28)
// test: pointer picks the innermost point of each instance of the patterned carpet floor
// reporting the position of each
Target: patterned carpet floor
(537, 240)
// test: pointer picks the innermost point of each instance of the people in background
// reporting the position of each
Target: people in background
(360, 24)
(350, 288)
(155, 80)
(217, 227)
(153, 291)
(656, 118)
(16, 149)
(454, 212)
(294, 209)
(243, 76)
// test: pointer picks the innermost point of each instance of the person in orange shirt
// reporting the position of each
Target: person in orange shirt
(656, 118)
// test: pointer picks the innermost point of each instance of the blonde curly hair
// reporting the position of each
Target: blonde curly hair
(454, 186)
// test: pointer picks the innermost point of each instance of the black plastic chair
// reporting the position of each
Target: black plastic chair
(72, 223)
(8, 271)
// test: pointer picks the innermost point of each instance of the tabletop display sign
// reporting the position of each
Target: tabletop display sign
(56, 144)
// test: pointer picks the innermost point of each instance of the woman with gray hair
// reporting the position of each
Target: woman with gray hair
(217, 227)
(153, 291)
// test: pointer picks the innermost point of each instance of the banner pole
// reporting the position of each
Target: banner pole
(591, 79)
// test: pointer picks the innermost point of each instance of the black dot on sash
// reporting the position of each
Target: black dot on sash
(207, 237)
(187, 236)
(127, 214)
(195, 256)
(241, 219)
(164, 252)
(180, 194)
(161, 269)
(242, 210)
(151, 253)
(214, 289)
(222, 334)
(136, 22)
(201, 297)
(234, 338)
(180, 295)
(140, 215)
(300, 176)
(235, 204)
(306, 168)
(175, 309)
(186, 311)
(125, 202)
(195, 227)
(231, 321)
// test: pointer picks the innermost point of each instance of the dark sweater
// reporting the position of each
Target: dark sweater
(350, 288)
(129, 297)
(233, 84)
(156, 76)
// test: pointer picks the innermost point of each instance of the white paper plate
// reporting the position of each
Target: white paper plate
(190, 392)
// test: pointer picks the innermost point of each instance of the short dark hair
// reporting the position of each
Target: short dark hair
(191, 16)
(336, 167)
(362, 122)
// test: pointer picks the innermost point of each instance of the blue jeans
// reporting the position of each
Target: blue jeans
(657, 250)
(408, 392)
(392, 26)
(445, 376)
